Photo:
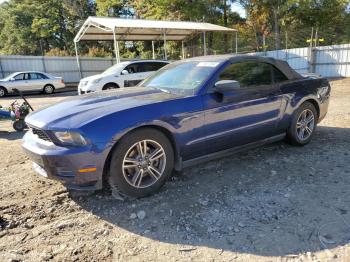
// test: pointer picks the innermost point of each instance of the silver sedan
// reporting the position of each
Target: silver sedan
(30, 81)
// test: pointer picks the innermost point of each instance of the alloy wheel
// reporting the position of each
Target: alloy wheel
(144, 163)
(48, 89)
(305, 124)
(2, 92)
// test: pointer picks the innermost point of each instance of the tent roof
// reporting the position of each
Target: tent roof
(101, 28)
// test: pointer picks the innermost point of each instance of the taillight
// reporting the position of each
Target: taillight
(62, 81)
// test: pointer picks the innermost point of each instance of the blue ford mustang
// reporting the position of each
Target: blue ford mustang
(189, 111)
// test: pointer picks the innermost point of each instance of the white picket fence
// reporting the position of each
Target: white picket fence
(328, 61)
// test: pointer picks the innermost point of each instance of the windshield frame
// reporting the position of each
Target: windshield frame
(193, 91)
(11, 76)
(119, 68)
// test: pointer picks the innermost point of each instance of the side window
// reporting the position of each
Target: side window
(132, 69)
(33, 76)
(146, 67)
(278, 76)
(41, 76)
(19, 77)
(158, 65)
(248, 73)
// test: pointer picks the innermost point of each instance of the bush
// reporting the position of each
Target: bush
(57, 52)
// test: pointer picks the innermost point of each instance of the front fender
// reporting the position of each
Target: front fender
(160, 125)
(165, 127)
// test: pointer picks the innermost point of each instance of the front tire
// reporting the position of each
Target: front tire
(3, 92)
(19, 125)
(141, 163)
(303, 125)
(48, 89)
(110, 86)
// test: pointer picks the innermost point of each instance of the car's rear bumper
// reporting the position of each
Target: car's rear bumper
(76, 168)
(60, 85)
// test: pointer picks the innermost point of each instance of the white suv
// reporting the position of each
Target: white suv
(124, 74)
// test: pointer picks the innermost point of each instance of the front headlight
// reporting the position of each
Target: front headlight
(96, 80)
(70, 138)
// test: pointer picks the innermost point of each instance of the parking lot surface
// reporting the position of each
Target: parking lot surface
(276, 203)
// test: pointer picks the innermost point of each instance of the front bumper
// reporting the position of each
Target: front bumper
(64, 164)
(85, 88)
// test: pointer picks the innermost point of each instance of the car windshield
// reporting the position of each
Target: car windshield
(182, 77)
(115, 69)
(10, 76)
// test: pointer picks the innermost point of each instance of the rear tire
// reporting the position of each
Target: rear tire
(303, 125)
(48, 89)
(141, 163)
(110, 86)
(3, 92)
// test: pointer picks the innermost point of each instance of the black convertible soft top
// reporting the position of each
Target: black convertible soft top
(280, 64)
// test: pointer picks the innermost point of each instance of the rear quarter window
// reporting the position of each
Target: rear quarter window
(278, 76)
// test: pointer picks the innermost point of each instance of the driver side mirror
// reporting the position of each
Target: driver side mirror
(223, 86)
(125, 72)
(12, 79)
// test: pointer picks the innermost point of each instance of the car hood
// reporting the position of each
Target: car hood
(80, 110)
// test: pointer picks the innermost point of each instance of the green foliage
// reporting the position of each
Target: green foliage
(36, 27)
(57, 52)
(278, 20)
(98, 52)
(113, 8)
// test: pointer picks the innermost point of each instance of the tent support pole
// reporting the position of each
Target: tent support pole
(118, 52)
(204, 44)
(236, 42)
(183, 49)
(165, 52)
(153, 54)
(116, 47)
(78, 60)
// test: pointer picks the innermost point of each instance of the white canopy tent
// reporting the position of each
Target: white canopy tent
(116, 29)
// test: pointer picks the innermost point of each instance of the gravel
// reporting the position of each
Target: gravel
(276, 203)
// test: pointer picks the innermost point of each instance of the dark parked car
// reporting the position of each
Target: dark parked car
(189, 111)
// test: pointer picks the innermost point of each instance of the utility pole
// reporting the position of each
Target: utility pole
(225, 24)
(311, 53)
(316, 37)
(264, 43)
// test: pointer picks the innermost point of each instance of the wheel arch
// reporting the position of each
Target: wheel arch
(315, 103)
(158, 127)
(4, 88)
(110, 83)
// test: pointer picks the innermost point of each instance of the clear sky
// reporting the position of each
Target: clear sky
(236, 7)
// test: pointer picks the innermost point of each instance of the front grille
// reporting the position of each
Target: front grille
(84, 92)
(41, 134)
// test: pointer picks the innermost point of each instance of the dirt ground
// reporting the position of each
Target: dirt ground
(276, 203)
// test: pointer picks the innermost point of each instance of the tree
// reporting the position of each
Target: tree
(34, 27)
(114, 8)
(267, 18)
